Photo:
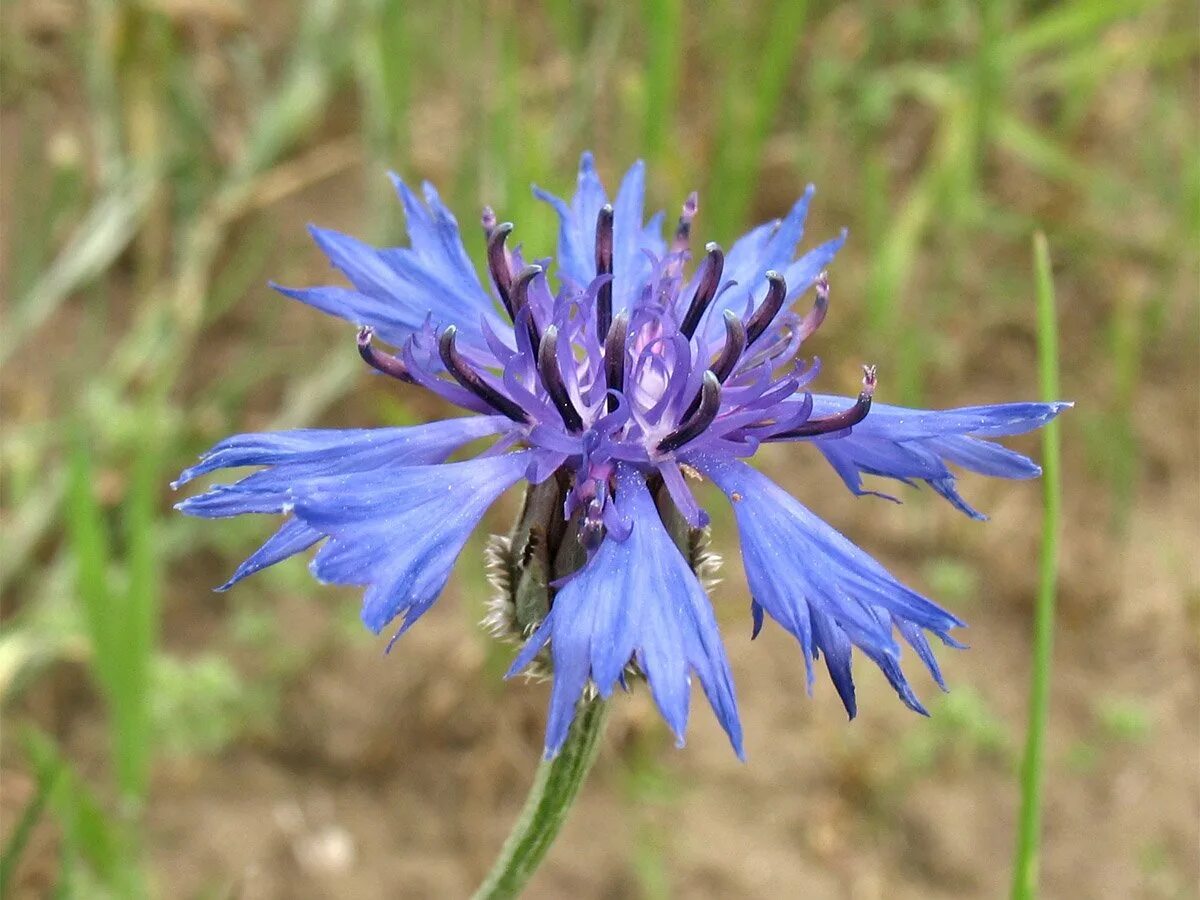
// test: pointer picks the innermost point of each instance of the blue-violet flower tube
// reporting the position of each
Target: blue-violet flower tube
(634, 371)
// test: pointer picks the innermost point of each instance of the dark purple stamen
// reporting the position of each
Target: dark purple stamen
(735, 343)
(604, 266)
(814, 317)
(736, 340)
(473, 382)
(520, 300)
(695, 423)
(683, 231)
(497, 260)
(488, 220)
(552, 380)
(839, 421)
(382, 362)
(768, 309)
(714, 267)
(614, 356)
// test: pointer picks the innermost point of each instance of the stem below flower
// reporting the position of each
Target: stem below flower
(554, 788)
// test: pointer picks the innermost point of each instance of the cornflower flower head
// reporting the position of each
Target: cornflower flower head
(607, 389)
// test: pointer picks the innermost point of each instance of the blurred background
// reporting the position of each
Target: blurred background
(159, 163)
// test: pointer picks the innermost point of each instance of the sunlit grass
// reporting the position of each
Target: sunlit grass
(1025, 866)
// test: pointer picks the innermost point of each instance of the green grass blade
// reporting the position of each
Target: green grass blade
(103, 93)
(139, 619)
(382, 67)
(988, 87)
(1050, 158)
(1064, 24)
(47, 777)
(567, 18)
(1025, 867)
(741, 139)
(89, 837)
(100, 238)
(664, 47)
(296, 106)
(88, 541)
(121, 624)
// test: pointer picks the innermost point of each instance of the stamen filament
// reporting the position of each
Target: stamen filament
(520, 300)
(382, 362)
(768, 309)
(736, 340)
(614, 357)
(497, 260)
(735, 343)
(683, 231)
(695, 424)
(552, 380)
(604, 266)
(814, 317)
(473, 382)
(842, 420)
(714, 267)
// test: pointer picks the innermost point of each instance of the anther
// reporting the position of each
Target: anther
(614, 356)
(520, 299)
(727, 359)
(552, 380)
(604, 266)
(382, 362)
(697, 422)
(714, 267)
(471, 380)
(683, 231)
(844, 419)
(736, 340)
(768, 309)
(814, 317)
(497, 260)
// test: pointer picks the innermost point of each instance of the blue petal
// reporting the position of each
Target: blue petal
(744, 259)
(577, 231)
(398, 288)
(429, 443)
(436, 242)
(577, 222)
(304, 460)
(635, 599)
(898, 423)
(917, 640)
(819, 586)
(292, 537)
(393, 322)
(832, 641)
(801, 274)
(399, 532)
(771, 245)
(630, 265)
(984, 457)
(912, 445)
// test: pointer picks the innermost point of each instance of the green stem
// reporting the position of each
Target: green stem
(1025, 868)
(554, 788)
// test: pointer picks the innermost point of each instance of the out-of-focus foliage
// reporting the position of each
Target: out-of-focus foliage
(159, 158)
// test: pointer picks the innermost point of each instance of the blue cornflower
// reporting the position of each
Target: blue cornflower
(618, 385)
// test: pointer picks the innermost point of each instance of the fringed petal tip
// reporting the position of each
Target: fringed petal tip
(913, 445)
(830, 595)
